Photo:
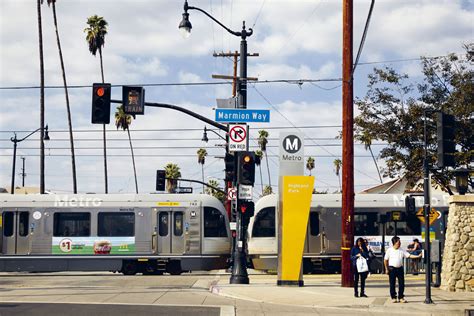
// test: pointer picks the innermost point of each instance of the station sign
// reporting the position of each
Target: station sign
(238, 134)
(242, 116)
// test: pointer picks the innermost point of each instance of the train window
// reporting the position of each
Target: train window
(24, 223)
(8, 224)
(314, 223)
(116, 224)
(72, 224)
(264, 225)
(214, 223)
(163, 224)
(366, 224)
(178, 223)
(412, 226)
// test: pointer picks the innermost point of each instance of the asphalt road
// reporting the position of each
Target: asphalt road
(49, 309)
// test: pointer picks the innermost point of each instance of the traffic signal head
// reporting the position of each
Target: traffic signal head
(410, 207)
(101, 103)
(246, 167)
(445, 124)
(160, 180)
(247, 208)
(229, 167)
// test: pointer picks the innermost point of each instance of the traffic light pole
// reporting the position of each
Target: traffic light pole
(427, 209)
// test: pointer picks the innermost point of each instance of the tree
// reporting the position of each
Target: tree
(172, 172)
(217, 194)
(337, 169)
(268, 190)
(40, 44)
(393, 109)
(68, 108)
(365, 138)
(202, 153)
(123, 121)
(262, 142)
(258, 162)
(95, 37)
(310, 164)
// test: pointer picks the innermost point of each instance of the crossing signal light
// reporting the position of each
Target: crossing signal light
(160, 180)
(246, 167)
(446, 126)
(101, 103)
(247, 208)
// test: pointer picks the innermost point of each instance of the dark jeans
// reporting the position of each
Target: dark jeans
(363, 276)
(393, 274)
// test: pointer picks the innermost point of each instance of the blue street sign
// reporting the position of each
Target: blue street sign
(242, 116)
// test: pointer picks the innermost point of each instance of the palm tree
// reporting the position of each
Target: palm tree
(219, 195)
(268, 190)
(68, 108)
(172, 171)
(262, 142)
(258, 162)
(96, 39)
(40, 44)
(202, 153)
(366, 139)
(337, 169)
(123, 120)
(310, 164)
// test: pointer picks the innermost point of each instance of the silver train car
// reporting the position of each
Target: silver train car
(129, 233)
(323, 239)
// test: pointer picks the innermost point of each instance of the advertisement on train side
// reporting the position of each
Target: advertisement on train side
(375, 242)
(93, 245)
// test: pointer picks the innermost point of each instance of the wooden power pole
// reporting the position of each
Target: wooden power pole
(347, 217)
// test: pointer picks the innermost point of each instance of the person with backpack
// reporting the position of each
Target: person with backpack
(359, 257)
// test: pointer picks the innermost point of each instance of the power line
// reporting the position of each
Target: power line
(289, 81)
(166, 155)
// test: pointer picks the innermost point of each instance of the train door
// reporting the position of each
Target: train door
(15, 232)
(315, 237)
(171, 231)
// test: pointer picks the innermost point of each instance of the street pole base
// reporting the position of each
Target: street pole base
(428, 301)
(238, 279)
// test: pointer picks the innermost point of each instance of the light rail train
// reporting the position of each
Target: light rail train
(147, 233)
(322, 250)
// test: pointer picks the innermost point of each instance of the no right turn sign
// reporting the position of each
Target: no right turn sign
(237, 137)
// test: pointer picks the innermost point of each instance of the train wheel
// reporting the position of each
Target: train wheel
(129, 268)
(150, 268)
(174, 267)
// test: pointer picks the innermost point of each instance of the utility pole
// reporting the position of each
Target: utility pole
(23, 174)
(347, 217)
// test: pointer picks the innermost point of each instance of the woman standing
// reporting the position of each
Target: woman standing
(359, 251)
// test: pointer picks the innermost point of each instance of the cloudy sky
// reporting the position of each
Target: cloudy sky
(295, 40)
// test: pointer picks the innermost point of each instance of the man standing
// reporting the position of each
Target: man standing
(393, 262)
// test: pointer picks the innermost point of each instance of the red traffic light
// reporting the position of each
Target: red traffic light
(100, 91)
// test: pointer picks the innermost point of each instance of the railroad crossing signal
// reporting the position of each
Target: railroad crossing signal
(133, 99)
(434, 215)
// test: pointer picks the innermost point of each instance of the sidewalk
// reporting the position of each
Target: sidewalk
(325, 292)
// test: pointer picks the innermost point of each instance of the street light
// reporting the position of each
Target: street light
(15, 141)
(462, 180)
(239, 268)
(204, 135)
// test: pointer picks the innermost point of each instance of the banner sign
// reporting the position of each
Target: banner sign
(93, 245)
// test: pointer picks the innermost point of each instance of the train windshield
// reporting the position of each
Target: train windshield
(264, 224)
(214, 223)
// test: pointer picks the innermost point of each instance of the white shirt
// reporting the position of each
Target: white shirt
(395, 257)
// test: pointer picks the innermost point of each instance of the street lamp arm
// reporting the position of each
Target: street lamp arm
(214, 19)
(20, 140)
(211, 130)
(200, 182)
